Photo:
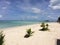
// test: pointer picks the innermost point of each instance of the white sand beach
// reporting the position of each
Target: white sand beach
(15, 35)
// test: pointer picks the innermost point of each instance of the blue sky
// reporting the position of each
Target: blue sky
(29, 9)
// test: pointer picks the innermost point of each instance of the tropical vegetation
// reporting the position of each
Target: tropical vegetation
(29, 33)
(44, 27)
(1, 38)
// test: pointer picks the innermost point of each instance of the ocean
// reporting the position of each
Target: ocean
(13, 23)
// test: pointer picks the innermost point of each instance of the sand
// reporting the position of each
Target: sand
(15, 35)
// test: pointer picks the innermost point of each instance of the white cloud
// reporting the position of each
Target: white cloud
(32, 9)
(55, 4)
(53, 0)
(36, 10)
(8, 2)
(4, 7)
(29, 17)
(1, 16)
(27, 7)
(51, 17)
(34, 17)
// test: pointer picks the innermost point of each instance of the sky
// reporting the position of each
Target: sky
(29, 9)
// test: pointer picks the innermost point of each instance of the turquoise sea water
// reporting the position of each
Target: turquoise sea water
(13, 23)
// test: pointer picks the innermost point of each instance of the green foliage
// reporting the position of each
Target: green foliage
(29, 33)
(44, 27)
(47, 26)
(1, 38)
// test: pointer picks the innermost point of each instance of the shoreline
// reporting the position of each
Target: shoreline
(26, 25)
